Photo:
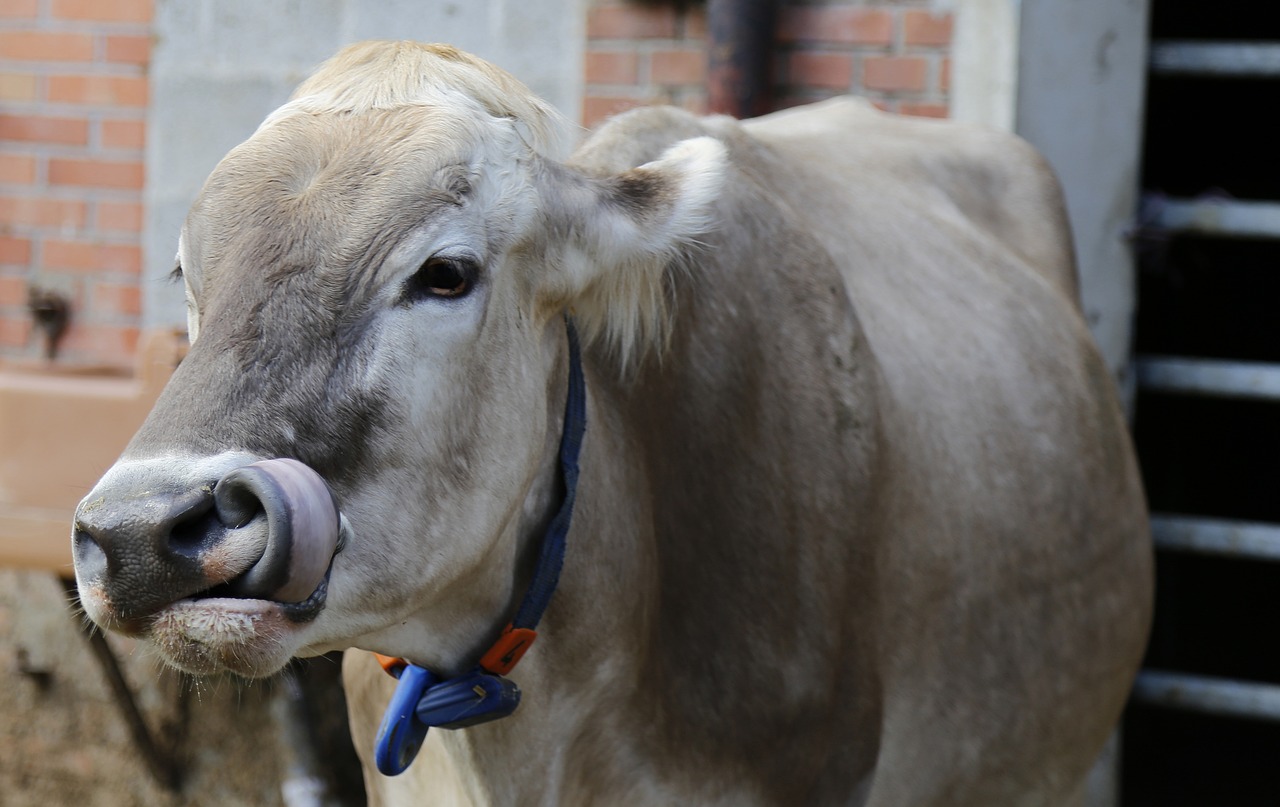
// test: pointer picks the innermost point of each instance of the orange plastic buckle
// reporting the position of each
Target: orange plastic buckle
(508, 650)
(392, 665)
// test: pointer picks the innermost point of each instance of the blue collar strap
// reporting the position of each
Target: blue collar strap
(422, 699)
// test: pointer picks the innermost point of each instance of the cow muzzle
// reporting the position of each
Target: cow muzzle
(267, 530)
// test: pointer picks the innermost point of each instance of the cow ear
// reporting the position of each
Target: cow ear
(619, 233)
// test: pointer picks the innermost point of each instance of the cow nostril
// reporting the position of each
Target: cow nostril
(192, 526)
(195, 533)
(237, 502)
(90, 559)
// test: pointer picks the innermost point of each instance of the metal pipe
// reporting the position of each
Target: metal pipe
(1212, 216)
(1221, 697)
(1244, 540)
(1217, 59)
(1211, 378)
(740, 35)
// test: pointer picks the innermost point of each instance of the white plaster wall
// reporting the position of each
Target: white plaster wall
(219, 66)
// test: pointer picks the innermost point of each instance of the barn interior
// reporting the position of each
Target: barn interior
(1208, 299)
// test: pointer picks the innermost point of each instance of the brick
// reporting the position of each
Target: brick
(895, 73)
(678, 67)
(14, 332)
(46, 47)
(695, 23)
(17, 87)
(923, 110)
(124, 134)
(944, 76)
(104, 90)
(15, 251)
(631, 22)
(45, 129)
(91, 256)
(120, 216)
(829, 70)
(843, 24)
(118, 298)
(110, 343)
(96, 173)
(596, 108)
(38, 212)
(103, 10)
(19, 9)
(17, 169)
(13, 292)
(129, 49)
(924, 28)
(612, 67)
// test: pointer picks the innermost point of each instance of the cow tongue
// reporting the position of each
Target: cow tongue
(302, 525)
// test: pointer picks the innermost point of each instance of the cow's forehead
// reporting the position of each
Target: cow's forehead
(334, 190)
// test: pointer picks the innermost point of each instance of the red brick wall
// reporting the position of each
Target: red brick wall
(895, 52)
(73, 100)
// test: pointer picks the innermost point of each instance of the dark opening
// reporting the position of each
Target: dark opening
(1209, 298)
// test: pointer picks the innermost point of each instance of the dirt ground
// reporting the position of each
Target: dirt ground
(64, 739)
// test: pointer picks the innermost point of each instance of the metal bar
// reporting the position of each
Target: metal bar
(740, 54)
(1221, 697)
(1217, 59)
(1231, 218)
(1246, 540)
(1213, 378)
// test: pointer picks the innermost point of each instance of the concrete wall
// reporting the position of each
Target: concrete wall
(219, 66)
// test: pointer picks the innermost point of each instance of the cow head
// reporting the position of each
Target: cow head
(362, 438)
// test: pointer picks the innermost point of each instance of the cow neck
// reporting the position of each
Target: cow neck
(422, 699)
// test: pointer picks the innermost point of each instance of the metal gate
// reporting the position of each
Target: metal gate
(1204, 724)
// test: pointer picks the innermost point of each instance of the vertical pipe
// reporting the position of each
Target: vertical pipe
(740, 36)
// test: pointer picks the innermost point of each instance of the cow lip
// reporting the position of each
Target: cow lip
(311, 607)
(297, 612)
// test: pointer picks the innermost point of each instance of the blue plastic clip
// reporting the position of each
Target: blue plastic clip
(477, 697)
(401, 733)
(422, 700)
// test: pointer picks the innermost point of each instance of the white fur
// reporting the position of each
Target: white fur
(616, 270)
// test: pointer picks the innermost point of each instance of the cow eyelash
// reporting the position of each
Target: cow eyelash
(176, 275)
(441, 278)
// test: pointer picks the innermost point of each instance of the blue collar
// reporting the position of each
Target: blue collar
(422, 699)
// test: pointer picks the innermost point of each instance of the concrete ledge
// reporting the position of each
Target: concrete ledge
(60, 429)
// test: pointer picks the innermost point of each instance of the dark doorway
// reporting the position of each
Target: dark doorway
(1211, 297)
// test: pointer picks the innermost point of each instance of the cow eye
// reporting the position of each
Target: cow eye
(441, 277)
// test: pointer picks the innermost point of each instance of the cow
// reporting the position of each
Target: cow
(789, 432)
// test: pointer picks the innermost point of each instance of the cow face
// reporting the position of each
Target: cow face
(361, 442)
